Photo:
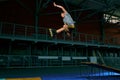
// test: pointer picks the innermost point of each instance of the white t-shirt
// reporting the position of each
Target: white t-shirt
(68, 19)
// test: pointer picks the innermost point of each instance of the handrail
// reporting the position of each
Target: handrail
(7, 61)
(102, 66)
(12, 30)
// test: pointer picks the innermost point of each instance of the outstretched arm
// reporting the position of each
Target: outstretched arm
(61, 7)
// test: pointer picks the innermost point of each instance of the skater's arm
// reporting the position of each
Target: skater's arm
(61, 7)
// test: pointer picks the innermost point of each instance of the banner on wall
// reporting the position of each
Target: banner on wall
(2, 79)
(35, 78)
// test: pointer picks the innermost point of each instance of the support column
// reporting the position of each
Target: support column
(36, 19)
(37, 11)
(10, 48)
(102, 30)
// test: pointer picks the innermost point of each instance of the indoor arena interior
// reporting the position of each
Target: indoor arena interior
(87, 47)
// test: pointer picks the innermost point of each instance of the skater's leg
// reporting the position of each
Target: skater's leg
(52, 32)
(64, 28)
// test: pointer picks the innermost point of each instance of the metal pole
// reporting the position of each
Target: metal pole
(102, 29)
(36, 19)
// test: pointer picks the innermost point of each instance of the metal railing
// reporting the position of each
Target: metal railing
(17, 31)
(31, 61)
(25, 61)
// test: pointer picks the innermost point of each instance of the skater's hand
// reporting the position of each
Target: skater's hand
(55, 4)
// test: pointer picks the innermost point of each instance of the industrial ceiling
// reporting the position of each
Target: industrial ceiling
(111, 7)
(107, 6)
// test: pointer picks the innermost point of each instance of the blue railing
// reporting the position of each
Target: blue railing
(22, 61)
(17, 31)
(31, 61)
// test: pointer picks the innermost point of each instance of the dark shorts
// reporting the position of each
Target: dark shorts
(71, 28)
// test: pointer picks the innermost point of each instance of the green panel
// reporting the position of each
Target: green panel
(20, 52)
